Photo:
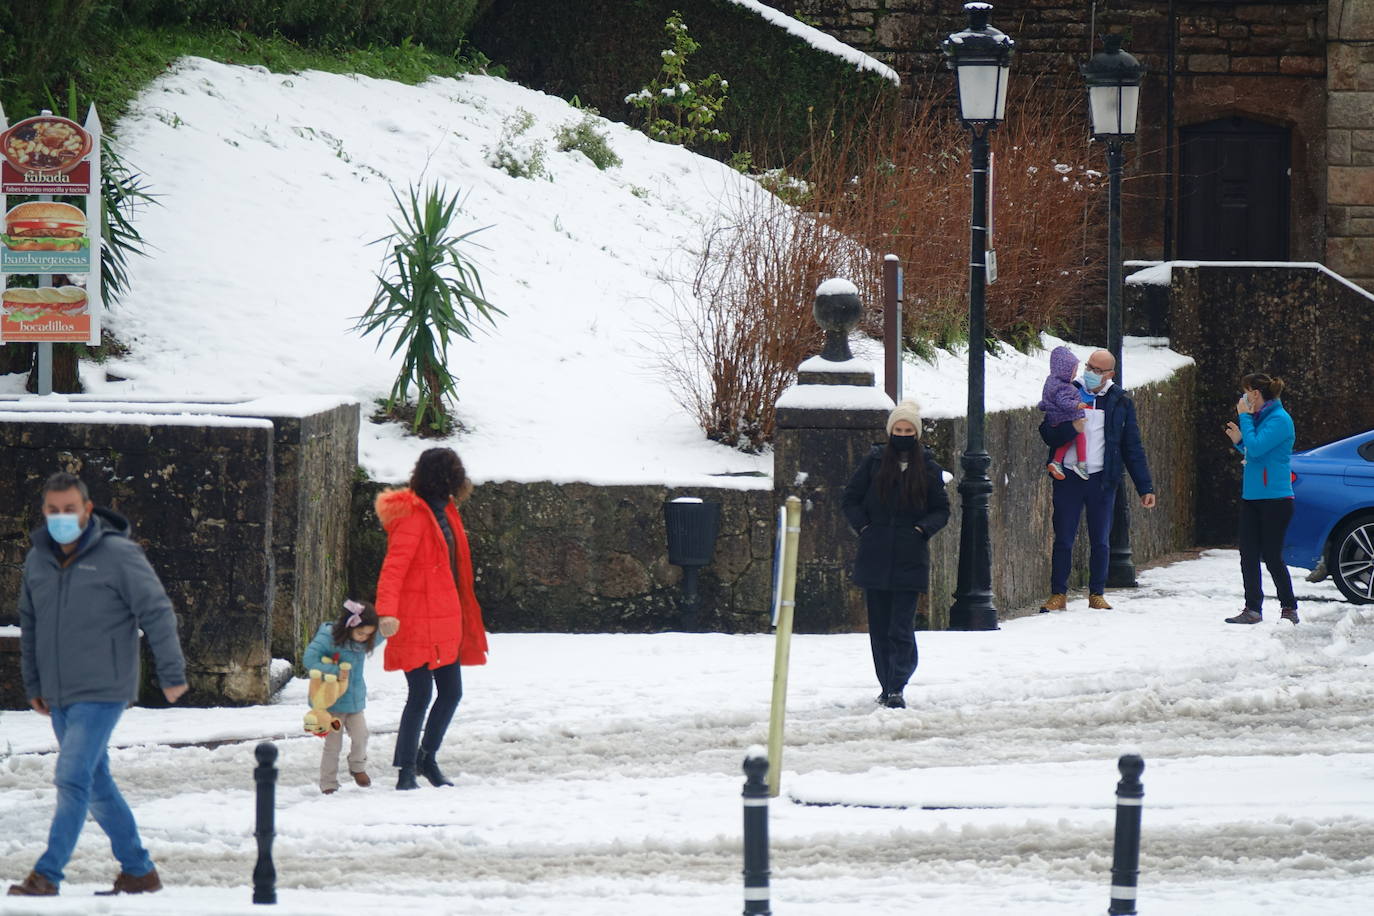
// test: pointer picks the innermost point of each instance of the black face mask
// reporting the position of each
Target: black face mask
(903, 444)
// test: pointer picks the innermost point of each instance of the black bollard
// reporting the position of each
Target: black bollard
(1130, 796)
(265, 873)
(756, 834)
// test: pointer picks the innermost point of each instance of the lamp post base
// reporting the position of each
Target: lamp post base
(1121, 567)
(973, 608)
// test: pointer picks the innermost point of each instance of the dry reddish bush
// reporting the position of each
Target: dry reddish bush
(891, 182)
(903, 187)
(747, 324)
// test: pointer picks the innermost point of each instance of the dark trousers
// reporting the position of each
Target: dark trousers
(1072, 497)
(892, 636)
(447, 683)
(1263, 523)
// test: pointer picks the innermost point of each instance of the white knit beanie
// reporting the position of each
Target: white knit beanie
(909, 410)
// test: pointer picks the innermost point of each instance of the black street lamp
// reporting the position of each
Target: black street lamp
(980, 57)
(1113, 78)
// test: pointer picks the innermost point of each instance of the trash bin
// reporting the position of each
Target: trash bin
(692, 528)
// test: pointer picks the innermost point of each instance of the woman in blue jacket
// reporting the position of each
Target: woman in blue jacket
(1263, 433)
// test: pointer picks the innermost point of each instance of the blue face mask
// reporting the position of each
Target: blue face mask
(903, 443)
(64, 528)
(1091, 379)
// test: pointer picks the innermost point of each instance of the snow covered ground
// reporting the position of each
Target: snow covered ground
(600, 775)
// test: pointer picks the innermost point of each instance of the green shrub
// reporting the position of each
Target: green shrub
(678, 109)
(44, 42)
(584, 137)
(428, 293)
(514, 153)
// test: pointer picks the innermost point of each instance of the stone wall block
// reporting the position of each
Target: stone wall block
(1343, 67)
(1338, 147)
(1254, 65)
(1352, 20)
(1351, 257)
(1208, 63)
(1349, 109)
(1350, 185)
(1303, 66)
(1338, 221)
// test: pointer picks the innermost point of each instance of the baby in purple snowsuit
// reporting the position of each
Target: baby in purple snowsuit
(1062, 402)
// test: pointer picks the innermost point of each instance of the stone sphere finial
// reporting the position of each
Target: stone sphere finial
(837, 311)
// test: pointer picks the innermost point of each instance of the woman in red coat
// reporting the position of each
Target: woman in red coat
(426, 584)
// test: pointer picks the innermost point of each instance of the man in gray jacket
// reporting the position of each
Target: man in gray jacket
(86, 593)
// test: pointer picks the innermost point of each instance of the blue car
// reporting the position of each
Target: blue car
(1333, 514)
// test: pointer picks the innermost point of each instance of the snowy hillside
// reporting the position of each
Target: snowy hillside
(272, 188)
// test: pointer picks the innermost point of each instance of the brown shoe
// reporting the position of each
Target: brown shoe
(1290, 614)
(1098, 603)
(330, 791)
(35, 885)
(1056, 602)
(128, 884)
(362, 779)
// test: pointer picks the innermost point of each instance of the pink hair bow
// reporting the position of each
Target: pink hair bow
(354, 608)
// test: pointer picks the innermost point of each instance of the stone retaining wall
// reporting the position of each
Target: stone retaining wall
(243, 510)
(199, 499)
(579, 558)
(582, 558)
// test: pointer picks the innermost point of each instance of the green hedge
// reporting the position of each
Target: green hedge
(602, 50)
(44, 42)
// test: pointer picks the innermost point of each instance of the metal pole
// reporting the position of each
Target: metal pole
(756, 873)
(44, 348)
(782, 643)
(265, 873)
(1130, 796)
(892, 327)
(691, 599)
(1121, 565)
(973, 608)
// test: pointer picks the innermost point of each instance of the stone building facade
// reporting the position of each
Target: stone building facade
(1256, 136)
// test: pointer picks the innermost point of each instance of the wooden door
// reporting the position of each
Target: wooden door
(1234, 186)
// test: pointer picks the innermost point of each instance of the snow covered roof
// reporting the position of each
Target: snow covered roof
(821, 41)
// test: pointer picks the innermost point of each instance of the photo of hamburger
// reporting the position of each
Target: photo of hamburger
(45, 226)
(31, 304)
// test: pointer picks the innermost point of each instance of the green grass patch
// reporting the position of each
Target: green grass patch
(135, 56)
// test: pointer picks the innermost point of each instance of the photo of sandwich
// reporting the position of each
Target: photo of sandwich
(45, 226)
(32, 304)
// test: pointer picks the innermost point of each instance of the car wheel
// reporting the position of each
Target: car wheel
(1352, 559)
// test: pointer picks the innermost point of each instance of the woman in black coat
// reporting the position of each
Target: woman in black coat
(896, 502)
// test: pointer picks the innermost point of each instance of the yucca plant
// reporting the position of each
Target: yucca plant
(427, 293)
(123, 191)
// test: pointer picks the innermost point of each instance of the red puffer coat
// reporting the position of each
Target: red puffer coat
(440, 621)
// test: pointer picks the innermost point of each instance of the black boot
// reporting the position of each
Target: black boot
(428, 767)
(405, 779)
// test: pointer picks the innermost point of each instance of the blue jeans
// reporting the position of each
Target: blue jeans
(1072, 497)
(84, 784)
(422, 683)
